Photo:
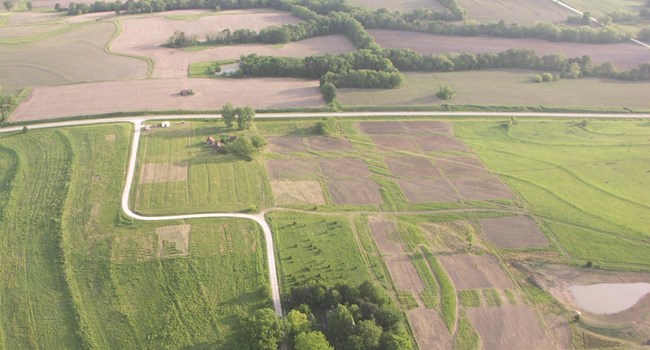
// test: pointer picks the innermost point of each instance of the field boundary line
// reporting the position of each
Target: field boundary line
(151, 64)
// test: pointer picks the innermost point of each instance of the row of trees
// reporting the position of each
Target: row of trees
(7, 105)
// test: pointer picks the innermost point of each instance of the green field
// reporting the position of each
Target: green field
(503, 88)
(75, 274)
(588, 184)
(397, 5)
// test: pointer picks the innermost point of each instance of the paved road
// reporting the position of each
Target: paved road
(259, 218)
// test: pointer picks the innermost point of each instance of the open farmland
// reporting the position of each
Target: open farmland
(174, 63)
(622, 56)
(397, 5)
(163, 95)
(55, 60)
(504, 88)
(521, 11)
(601, 8)
(93, 280)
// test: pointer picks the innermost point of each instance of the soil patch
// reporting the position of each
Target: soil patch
(513, 232)
(381, 128)
(331, 144)
(297, 192)
(470, 271)
(384, 232)
(163, 172)
(428, 127)
(412, 167)
(354, 192)
(285, 144)
(394, 142)
(404, 274)
(462, 166)
(521, 11)
(480, 188)
(622, 56)
(429, 329)
(509, 327)
(344, 168)
(427, 190)
(173, 240)
(291, 169)
(439, 143)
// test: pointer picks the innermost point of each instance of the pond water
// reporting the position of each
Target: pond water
(608, 298)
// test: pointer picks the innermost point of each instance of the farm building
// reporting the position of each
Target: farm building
(165, 124)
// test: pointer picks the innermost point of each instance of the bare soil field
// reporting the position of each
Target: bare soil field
(173, 240)
(329, 144)
(513, 232)
(381, 128)
(509, 327)
(404, 274)
(411, 127)
(160, 95)
(521, 11)
(163, 172)
(143, 36)
(291, 169)
(384, 232)
(354, 192)
(398, 5)
(28, 30)
(297, 192)
(56, 60)
(462, 166)
(436, 143)
(344, 168)
(622, 56)
(480, 188)
(419, 190)
(429, 330)
(34, 17)
(394, 142)
(412, 167)
(470, 271)
(286, 144)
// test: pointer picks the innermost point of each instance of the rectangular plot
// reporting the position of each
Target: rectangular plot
(481, 188)
(164, 172)
(342, 168)
(404, 273)
(513, 232)
(429, 329)
(439, 143)
(462, 166)
(355, 192)
(329, 144)
(384, 232)
(291, 169)
(297, 192)
(509, 327)
(428, 127)
(381, 128)
(286, 144)
(427, 190)
(412, 167)
(475, 271)
(394, 142)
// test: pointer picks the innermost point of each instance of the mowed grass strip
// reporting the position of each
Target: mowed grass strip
(466, 337)
(318, 248)
(448, 303)
(37, 309)
(430, 295)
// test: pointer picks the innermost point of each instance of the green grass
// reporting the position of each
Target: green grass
(510, 295)
(406, 300)
(470, 298)
(205, 69)
(588, 185)
(376, 261)
(430, 294)
(215, 182)
(466, 337)
(318, 248)
(502, 88)
(94, 279)
(448, 302)
(397, 5)
(492, 297)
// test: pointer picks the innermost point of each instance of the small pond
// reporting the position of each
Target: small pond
(608, 298)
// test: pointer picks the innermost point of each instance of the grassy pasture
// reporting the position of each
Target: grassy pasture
(503, 88)
(99, 279)
(600, 8)
(215, 182)
(588, 184)
(521, 11)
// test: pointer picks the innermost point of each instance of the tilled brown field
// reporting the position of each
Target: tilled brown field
(521, 11)
(411, 167)
(462, 166)
(286, 144)
(475, 272)
(419, 190)
(480, 188)
(513, 232)
(328, 144)
(344, 168)
(354, 192)
(509, 327)
(291, 169)
(429, 329)
(160, 95)
(384, 232)
(622, 56)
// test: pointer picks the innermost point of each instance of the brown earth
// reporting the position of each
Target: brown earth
(480, 188)
(33, 17)
(173, 240)
(344, 168)
(384, 232)
(412, 167)
(411, 127)
(427, 190)
(163, 172)
(297, 192)
(354, 192)
(163, 94)
(470, 271)
(509, 327)
(291, 169)
(404, 274)
(394, 142)
(520, 11)
(439, 143)
(285, 144)
(381, 128)
(329, 144)
(513, 232)
(462, 166)
(622, 56)
(429, 330)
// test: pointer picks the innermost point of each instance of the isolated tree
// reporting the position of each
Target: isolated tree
(8, 5)
(245, 117)
(228, 115)
(261, 330)
(329, 92)
(30, 6)
(445, 93)
(312, 341)
(326, 127)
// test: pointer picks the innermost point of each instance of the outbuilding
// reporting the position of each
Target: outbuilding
(165, 124)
